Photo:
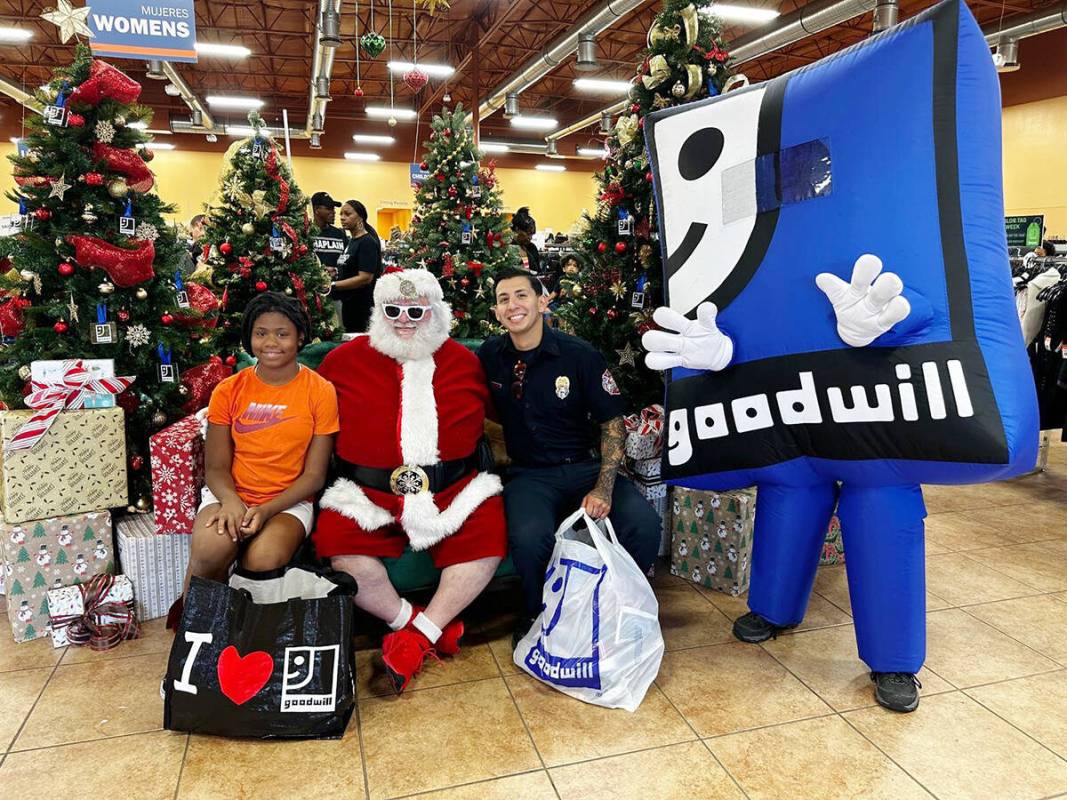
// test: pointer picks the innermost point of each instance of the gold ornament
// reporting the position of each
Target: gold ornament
(678, 89)
(183, 390)
(658, 72)
(143, 503)
(257, 201)
(659, 34)
(618, 290)
(141, 294)
(644, 254)
(248, 229)
(60, 187)
(576, 290)
(120, 121)
(69, 20)
(626, 356)
(106, 288)
(288, 289)
(159, 418)
(118, 188)
(661, 101)
(24, 372)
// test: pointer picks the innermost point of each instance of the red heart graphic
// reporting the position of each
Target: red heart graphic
(240, 678)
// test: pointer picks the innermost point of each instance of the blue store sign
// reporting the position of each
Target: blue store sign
(153, 29)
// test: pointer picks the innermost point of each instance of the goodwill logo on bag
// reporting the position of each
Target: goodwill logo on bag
(243, 677)
(578, 671)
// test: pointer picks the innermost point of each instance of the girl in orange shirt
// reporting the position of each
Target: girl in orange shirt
(269, 439)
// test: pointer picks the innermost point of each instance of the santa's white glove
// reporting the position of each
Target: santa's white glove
(698, 344)
(865, 308)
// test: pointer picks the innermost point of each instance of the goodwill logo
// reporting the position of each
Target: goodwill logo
(547, 659)
(302, 665)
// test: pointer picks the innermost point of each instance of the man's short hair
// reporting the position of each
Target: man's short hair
(514, 272)
(199, 219)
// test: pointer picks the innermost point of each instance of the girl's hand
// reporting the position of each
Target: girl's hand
(230, 517)
(255, 518)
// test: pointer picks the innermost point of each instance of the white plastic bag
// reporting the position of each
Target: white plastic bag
(597, 638)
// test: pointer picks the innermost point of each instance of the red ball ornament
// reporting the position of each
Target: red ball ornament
(648, 176)
(261, 286)
(358, 92)
(452, 191)
(592, 311)
(123, 316)
(231, 361)
(602, 247)
(60, 327)
(612, 313)
(66, 269)
(167, 319)
(448, 131)
(423, 166)
(42, 214)
(75, 120)
(94, 179)
(136, 462)
(635, 107)
(5, 265)
(225, 248)
(302, 250)
(464, 282)
(641, 122)
(620, 247)
(440, 177)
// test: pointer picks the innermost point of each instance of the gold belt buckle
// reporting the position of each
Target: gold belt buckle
(409, 479)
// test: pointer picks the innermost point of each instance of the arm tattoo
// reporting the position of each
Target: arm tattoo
(612, 439)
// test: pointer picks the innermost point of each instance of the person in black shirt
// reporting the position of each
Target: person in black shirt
(552, 391)
(358, 267)
(524, 227)
(329, 241)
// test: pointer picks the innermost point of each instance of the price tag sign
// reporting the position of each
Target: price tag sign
(166, 371)
(637, 300)
(103, 334)
(127, 224)
(181, 296)
(55, 115)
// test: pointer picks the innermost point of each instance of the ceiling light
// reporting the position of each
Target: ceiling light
(229, 101)
(433, 70)
(246, 130)
(493, 147)
(739, 13)
(592, 152)
(211, 138)
(551, 168)
(511, 105)
(14, 34)
(172, 90)
(225, 50)
(602, 86)
(155, 145)
(534, 123)
(384, 112)
(586, 52)
(155, 71)
(330, 28)
(363, 156)
(372, 138)
(158, 131)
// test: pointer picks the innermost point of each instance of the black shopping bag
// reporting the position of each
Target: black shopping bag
(280, 669)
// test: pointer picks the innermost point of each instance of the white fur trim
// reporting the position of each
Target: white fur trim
(347, 499)
(418, 413)
(426, 526)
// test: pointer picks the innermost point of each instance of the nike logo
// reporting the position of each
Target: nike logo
(251, 427)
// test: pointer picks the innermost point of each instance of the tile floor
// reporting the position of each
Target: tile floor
(793, 718)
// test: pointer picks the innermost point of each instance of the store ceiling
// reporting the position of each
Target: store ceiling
(507, 33)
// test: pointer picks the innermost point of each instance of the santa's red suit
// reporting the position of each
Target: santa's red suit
(414, 411)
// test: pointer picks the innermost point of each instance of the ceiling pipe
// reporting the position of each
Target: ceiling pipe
(1048, 19)
(597, 21)
(21, 97)
(886, 14)
(189, 97)
(321, 69)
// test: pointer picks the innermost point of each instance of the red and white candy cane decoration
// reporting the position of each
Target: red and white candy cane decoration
(51, 398)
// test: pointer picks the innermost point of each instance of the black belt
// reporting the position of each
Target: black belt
(409, 478)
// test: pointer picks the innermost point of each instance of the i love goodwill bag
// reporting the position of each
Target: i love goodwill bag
(598, 637)
(264, 670)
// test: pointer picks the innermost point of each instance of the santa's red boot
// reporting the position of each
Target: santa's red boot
(404, 652)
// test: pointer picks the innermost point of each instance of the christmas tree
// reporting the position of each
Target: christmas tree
(258, 239)
(612, 304)
(458, 230)
(94, 267)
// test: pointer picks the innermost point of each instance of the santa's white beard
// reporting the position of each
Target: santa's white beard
(429, 334)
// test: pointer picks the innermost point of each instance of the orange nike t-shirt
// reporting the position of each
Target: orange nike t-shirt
(272, 427)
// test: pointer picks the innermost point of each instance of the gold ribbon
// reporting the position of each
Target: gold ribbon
(626, 129)
(695, 79)
(658, 71)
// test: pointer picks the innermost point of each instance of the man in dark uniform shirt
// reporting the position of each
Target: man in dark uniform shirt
(552, 391)
(329, 241)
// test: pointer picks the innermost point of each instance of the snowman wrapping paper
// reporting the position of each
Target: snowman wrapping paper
(711, 538)
(47, 554)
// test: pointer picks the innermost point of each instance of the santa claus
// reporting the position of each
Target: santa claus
(412, 404)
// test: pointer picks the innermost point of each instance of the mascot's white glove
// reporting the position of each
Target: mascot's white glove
(698, 344)
(865, 308)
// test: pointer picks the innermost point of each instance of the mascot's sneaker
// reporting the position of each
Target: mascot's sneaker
(753, 628)
(897, 691)
(404, 652)
(451, 635)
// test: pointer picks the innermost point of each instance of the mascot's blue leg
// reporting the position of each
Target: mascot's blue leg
(791, 524)
(882, 530)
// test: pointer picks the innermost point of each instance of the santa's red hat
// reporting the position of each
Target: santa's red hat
(407, 284)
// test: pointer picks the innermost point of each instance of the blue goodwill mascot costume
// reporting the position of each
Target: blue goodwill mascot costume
(839, 318)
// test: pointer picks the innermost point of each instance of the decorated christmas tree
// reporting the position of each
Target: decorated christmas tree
(259, 238)
(91, 271)
(611, 305)
(458, 230)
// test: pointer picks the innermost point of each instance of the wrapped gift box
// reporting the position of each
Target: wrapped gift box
(833, 549)
(645, 469)
(78, 466)
(48, 554)
(70, 600)
(177, 455)
(711, 537)
(53, 372)
(644, 433)
(154, 564)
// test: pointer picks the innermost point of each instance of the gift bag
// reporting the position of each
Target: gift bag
(263, 670)
(598, 637)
